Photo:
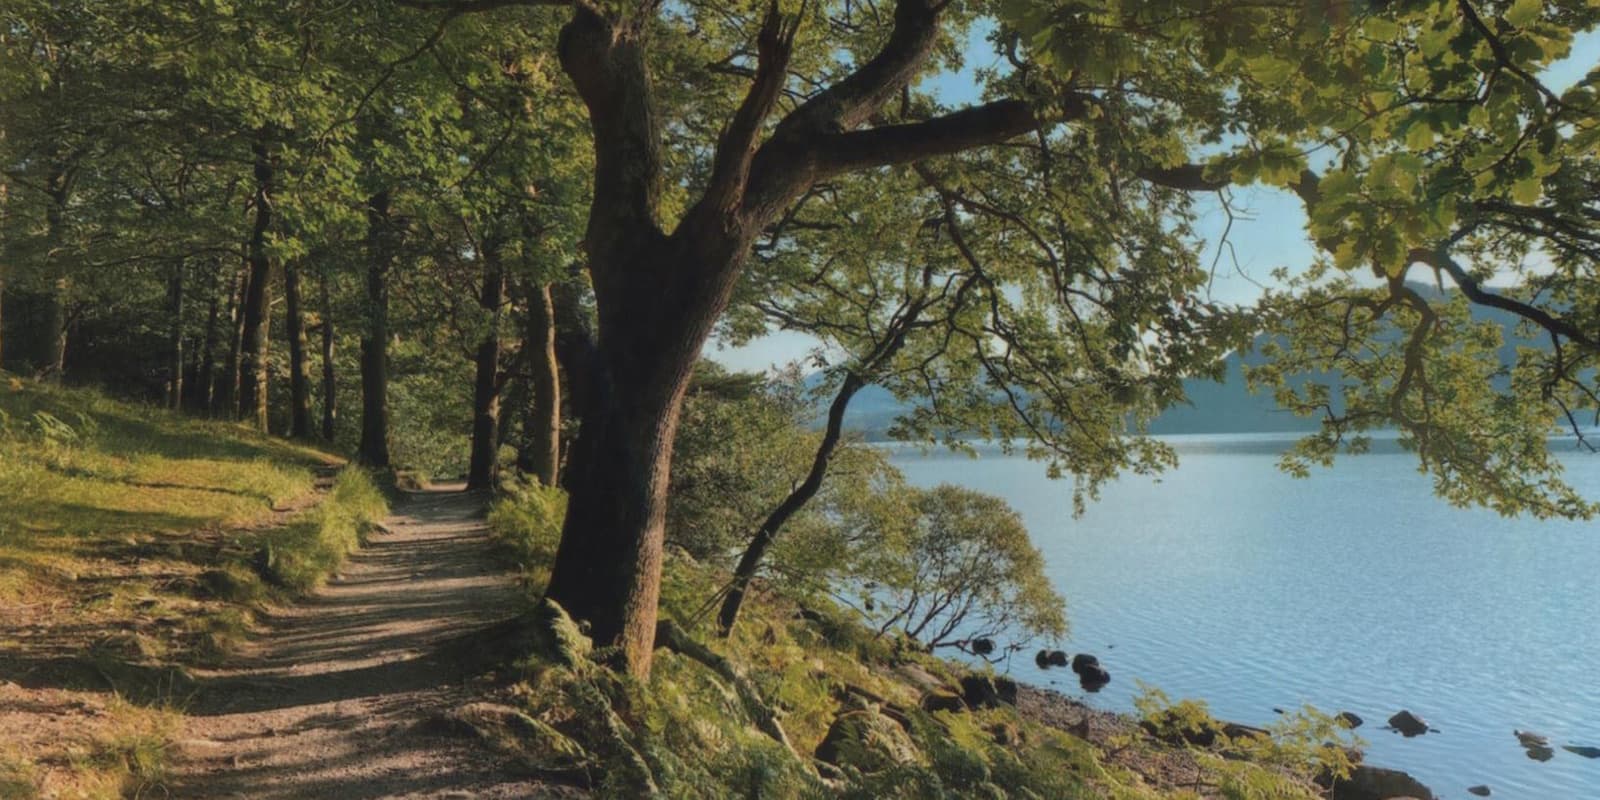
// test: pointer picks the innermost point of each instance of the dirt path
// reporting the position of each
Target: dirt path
(327, 703)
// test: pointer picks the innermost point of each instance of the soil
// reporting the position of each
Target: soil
(332, 699)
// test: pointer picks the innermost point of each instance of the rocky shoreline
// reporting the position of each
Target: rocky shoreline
(1178, 766)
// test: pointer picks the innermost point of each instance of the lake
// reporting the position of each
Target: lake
(1356, 589)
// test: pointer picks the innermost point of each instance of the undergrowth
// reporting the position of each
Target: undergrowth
(849, 708)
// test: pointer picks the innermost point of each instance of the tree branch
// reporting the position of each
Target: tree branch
(736, 149)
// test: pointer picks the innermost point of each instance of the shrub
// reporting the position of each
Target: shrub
(962, 570)
(526, 521)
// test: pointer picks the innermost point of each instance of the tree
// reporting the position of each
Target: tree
(1104, 70)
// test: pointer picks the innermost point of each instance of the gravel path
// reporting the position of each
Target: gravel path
(327, 702)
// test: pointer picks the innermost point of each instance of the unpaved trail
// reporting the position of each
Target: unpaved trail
(327, 703)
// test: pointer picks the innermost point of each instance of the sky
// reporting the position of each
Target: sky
(1268, 228)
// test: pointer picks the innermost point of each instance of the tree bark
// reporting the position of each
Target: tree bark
(374, 448)
(330, 396)
(540, 451)
(205, 379)
(756, 551)
(175, 339)
(52, 354)
(228, 392)
(486, 386)
(299, 364)
(258, 298)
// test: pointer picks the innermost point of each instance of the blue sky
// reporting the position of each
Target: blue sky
(1268, 228)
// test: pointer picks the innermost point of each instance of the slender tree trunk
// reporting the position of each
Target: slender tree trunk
(756, 551)
(52, 360)
(486, 387)
(205, 379)
(299, 364)
(540, 451)
(374, 447)
(330, 397)
(228, 391)
(575, 353)
(258, 298)
(175, 339)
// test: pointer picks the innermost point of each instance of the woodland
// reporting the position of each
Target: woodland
(498, 239)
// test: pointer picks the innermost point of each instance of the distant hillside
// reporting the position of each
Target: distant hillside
(1214, 407)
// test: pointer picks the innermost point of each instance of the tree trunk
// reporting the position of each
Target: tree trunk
(756, 551)
(258, 299)
(540, 451)
(486, 387)
(652, 327)
(574, 345)
(175, 339)
(52, 359)
(299, 365)
(330, 397)
(205, 379)
(374, 448)
(228, 392)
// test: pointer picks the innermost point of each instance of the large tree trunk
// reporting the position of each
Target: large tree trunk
(258, 299)
(205, 379)
(228, 389)
(330, 396)
(299, 365)
(540, 451)
(486, 387)
(175, 339)
(652, 327)
(374, 448)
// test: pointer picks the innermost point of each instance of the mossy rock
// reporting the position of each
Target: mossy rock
(536, 746)
(868, 741)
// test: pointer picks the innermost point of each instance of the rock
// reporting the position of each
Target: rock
(534, 745)
(1541, 753)
(1042, 659)
(1093, 678)
(1531, 739)
(1408, 724)
(1007, 734)
(868, 741)
(1582, 750)
(982, 646)
(1050, 658)
(921, 678)
(943, 701)
(1376, 783)
(1348, 720)
(1479, 790)
(1083, 660)
(982, 691)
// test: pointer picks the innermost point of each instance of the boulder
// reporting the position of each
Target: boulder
(982, 646)
(1007, 734)
(1531, 739)
(1480, 790)
(1093, 678)
(1348, 720)
(982, 691)
(1082, 661)
(943, 701)
(1582, 750)
(1376, 783)
(1541, 753)
(868, 741)
(1408, 724)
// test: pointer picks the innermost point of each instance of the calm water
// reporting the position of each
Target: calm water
(1356, 589)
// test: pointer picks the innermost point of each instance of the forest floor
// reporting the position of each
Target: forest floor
(335, 697)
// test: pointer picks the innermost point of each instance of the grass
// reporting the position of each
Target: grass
(135, 542)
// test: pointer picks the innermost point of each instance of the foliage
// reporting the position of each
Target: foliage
(526, 521)
(960, 569)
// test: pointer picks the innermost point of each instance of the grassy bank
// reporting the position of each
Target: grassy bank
(809, 703)
(135, 543)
